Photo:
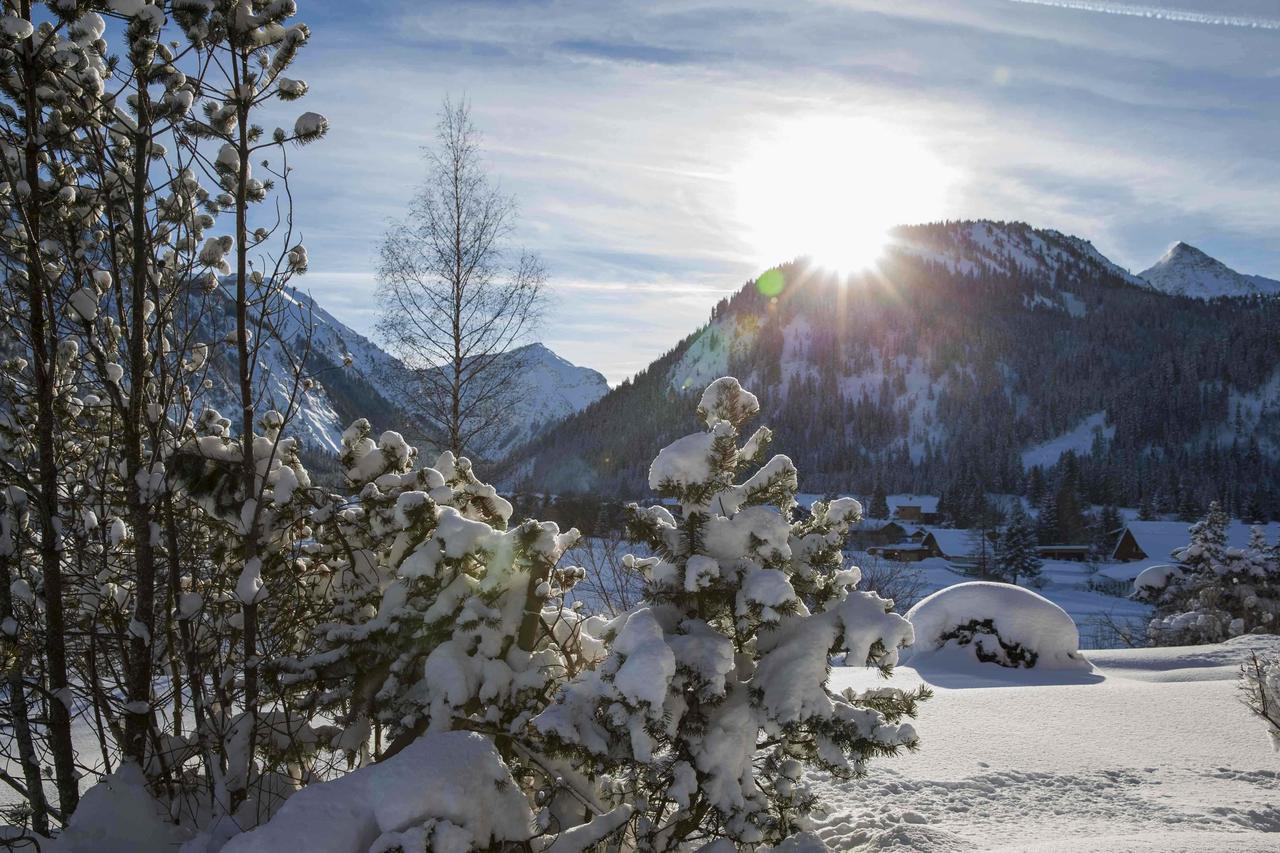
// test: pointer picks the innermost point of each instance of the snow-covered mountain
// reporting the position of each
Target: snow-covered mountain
(1005, 248)
(365, 386)
(975, 349)
(1186, 271)
(556, 388)
(338, 393)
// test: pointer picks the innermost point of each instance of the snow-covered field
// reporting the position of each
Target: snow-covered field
(1151, 751)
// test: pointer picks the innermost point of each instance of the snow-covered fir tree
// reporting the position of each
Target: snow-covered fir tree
(1016, 559)
(1105, 529)
(1047, 531)
(713, 697)
(879, 508)
(1215, 592)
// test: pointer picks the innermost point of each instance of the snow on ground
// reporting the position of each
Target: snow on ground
(1079, 439)
(1153, 753)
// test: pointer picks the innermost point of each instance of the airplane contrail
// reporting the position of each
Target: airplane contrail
(1159, 13)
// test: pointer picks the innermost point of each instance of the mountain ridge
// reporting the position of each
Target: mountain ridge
(973, 343)
(352, 378)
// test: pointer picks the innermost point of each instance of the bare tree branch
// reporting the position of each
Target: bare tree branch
(453, 299)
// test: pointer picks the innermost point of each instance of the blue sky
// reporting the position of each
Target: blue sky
(620, 128)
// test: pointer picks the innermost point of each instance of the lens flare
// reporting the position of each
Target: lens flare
(770, 283)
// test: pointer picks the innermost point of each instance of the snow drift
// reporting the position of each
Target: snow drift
(999, 623)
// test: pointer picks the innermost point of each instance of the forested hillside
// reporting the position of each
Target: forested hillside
(974, 356)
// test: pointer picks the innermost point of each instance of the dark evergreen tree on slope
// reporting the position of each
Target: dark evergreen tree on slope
(879, 503)
(1016, 558)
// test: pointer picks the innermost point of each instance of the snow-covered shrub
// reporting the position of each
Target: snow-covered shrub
(1215, 592)
(998, 623)
(1260, 689)
(442, 613)
(713, 696)
(1152, 580)
(444, 792)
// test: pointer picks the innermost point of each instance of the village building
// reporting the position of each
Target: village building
(926, 542)
(1142, 544)
(1157, 540)
(870, 532)
(1069, 553)
(915, 509)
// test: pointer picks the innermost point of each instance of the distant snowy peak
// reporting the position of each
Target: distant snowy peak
(348, 371)
(563, 386)
(556, 388)
(331, 338)
(1186, 271)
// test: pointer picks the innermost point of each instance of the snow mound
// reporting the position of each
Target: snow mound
(117, 815)
(1001, 623)
(452, 785)
(1155, 578)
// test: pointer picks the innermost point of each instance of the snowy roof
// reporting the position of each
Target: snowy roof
(1159, 539)
(927, 503)
(951, 542)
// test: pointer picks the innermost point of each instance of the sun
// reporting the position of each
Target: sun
(832, 188)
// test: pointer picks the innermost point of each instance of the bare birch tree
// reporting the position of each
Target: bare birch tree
(454, 299)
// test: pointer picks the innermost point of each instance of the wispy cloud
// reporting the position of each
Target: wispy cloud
(619, 134)
(1160, 13)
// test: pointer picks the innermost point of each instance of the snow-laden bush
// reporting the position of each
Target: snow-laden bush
(494, 714)
(999, 623)
(714, 695)
(442, 613)
(119, 815)
(444, 792)
(1215, 592)
(1153, 579)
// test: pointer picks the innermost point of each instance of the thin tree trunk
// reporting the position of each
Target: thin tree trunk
(47, 504)
(455, 421)
(20, 721)
(139, 674)
(249, 469)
